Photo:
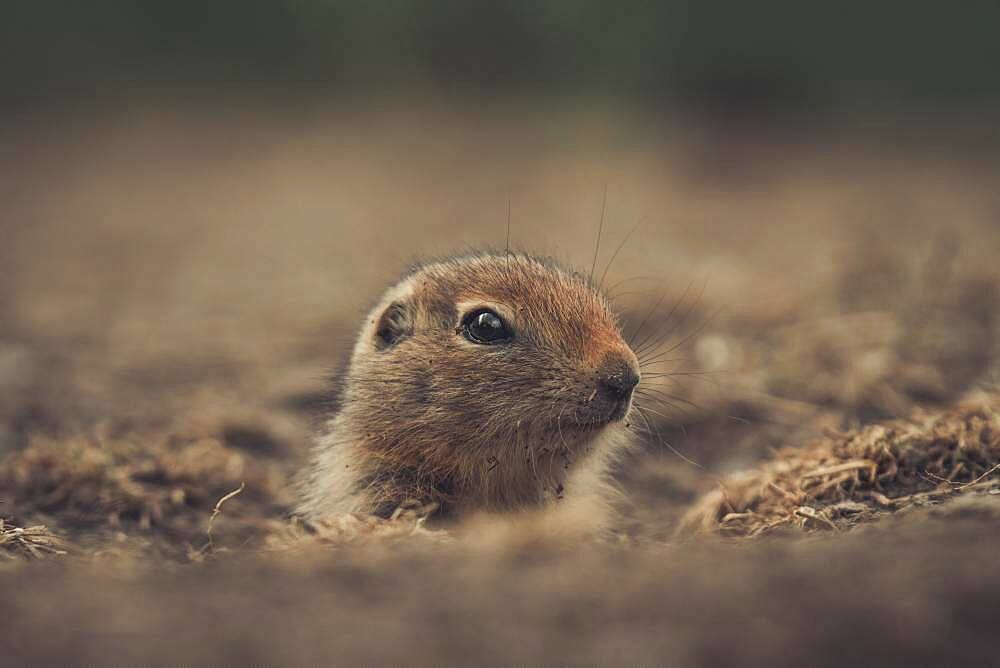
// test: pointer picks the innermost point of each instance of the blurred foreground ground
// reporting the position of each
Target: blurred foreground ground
(178, 287)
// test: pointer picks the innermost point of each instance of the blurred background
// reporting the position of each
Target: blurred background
(837, 64)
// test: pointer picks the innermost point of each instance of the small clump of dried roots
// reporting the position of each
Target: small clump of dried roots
(30, 543)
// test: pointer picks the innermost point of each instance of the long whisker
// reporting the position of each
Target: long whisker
(645, 319)
(669, 405)
(665, 360)
(600, 229)
(673, 397)
(656, 352)
(508, 226)
(627, 293)
(664, 442)
(627, 280)
(698, 330)
(665, 319)
(615, 254)
(507, 246)
(647, 345)
(660, 374)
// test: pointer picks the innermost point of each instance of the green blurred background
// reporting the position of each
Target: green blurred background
(898, 62)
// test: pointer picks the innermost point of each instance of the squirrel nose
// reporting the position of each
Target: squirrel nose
(620, 381)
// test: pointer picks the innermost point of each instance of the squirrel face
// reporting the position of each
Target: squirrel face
(490, 349)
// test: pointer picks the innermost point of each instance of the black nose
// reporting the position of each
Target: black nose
(620, 382)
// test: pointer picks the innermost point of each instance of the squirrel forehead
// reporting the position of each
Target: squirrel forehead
(520, 282)
(563, 304)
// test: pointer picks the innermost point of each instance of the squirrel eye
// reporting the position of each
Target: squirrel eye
(485, 327)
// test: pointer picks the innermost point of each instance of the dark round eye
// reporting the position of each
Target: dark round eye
(485, 327)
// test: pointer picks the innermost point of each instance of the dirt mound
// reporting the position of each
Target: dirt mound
(847, 478)
(161, 486)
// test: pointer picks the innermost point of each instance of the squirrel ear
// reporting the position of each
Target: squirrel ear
(394, 325)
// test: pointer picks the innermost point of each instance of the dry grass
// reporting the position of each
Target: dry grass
(31, 543)
(155, 487)
(407, 526)
(847, 478)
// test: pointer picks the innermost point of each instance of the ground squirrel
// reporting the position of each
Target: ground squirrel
(491, 381)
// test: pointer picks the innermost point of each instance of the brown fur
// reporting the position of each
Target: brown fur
(428, 416)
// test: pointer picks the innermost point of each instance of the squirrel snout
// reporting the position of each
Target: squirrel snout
(618, 380)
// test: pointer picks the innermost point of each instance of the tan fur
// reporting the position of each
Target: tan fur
(436, 418)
